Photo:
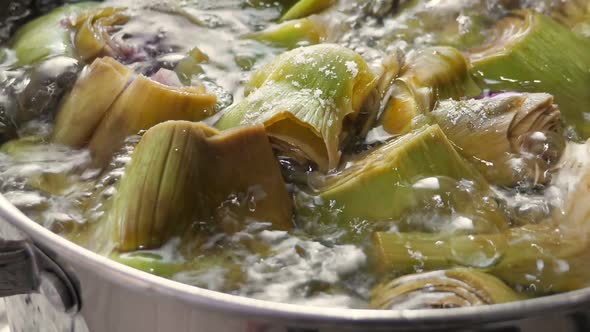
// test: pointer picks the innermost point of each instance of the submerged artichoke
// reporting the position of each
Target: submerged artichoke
(432, 74)
(511, 137)
(532, 53)
(303, 98)
(104, 108)
(93, 32)
(442, 289)
(543, 258)
(183, 172)
(47, 35)
(417, 171)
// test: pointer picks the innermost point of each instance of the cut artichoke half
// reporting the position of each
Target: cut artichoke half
(93, 30)
(303, 97)
(393, 180)
(47, 36)
(531, 52)
(511, 138)
(143, 104)
(442, 289)
(94, 92)
(183, 173)
(107, 105)
(430, 75)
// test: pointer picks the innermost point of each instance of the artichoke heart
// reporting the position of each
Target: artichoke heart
(510, 137)
(94, 92)
(47, 36)
(532, 53)
(303, 97)
(442, 289)
(93, 32)
(400, 178)
(430, 75)
(183, 172)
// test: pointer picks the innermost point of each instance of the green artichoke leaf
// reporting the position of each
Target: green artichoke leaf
(303, 97)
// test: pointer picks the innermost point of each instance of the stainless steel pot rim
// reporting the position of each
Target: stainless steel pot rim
(260, 309)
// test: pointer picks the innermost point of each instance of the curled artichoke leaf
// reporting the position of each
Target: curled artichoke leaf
(398, 179)
(94, 92)
(303, 97)
(93, 30)
(432, 74)
(183, 172)
(522, 134)
(531, 52)
(47, 35)
(442, 289)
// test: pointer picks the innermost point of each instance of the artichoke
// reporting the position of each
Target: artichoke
(547, 257)
(143, 104)
(430, 75)
(93, 31)
(522, 134)
(47, 36)
(303, 98)
(404, 176)
(532, 53)
(442, 289)
(93, 94)
(183, 172)
(104, 108)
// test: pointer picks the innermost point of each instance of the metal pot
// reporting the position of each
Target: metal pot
(65, 287)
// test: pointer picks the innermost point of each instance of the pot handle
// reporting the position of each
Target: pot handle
(26, 269)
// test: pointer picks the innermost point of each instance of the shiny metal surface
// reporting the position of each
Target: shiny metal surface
(117, 298)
